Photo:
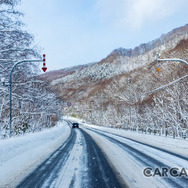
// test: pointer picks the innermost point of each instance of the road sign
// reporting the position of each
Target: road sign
(69, 104)
(44, 68)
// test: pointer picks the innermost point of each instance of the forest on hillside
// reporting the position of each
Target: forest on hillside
(34, 105)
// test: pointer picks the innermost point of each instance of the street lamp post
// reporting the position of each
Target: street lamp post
(10, 84)
(164, 86)
(158, 59)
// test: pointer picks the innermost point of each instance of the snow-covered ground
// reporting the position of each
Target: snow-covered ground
(19, 156)
(131, 163)
(177, 145)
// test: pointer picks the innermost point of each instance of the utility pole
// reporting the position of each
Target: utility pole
(102, 122)
(129, 80)
(91, 104)
(136, 110)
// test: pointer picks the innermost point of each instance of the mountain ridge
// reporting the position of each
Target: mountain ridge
(124, 54)
(145, 47)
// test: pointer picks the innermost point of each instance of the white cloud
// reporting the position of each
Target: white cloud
(110, 10)
(137, 13)
(144, 11)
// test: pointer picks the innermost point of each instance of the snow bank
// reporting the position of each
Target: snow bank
(19, 156)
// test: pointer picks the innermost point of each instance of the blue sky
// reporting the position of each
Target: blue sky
(74, 32)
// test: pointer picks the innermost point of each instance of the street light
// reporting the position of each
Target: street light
(164, 60)
(10, 82)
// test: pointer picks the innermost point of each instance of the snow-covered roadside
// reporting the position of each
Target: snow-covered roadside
(129, 170)
(179, 146)
(21, 155)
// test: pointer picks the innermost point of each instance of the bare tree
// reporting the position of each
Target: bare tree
(33, 104)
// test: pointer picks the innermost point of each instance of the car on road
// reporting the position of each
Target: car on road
(75, 125)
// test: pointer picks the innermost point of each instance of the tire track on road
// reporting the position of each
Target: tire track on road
(143, 158)
(49, 169)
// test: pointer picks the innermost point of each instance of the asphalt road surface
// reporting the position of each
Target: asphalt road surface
(148, 156)
(79, 162)
(92, 158)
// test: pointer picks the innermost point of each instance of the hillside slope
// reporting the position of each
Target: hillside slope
(101, 93)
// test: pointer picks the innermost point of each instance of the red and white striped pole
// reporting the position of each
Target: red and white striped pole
(44, 68)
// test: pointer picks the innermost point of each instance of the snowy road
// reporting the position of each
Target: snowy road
(86, 157)
(77, 163)
(130, 158)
